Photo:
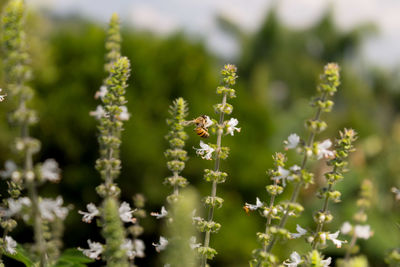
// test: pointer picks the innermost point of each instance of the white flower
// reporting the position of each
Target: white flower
(333, 238)
(231, 126)
(94, 251)
(163, 213)
(205, 151)
(2, 96)
(124, 115)
(92, 212)
(128, 247)
(326, 262)
(139, 248)
(98, 113)
(346, 228)
(396, 193)
(49, 208)
(300, 232)
(9, 167)
(16, 205)
(283, 174)
(322, 150)
(125, 213)
(363, 231)
(101, 93)
(295, 260)
(11, 245)
(161, 245)
(193, 243)
(50, 170)
(292, 142)
(208, 122)
(258, 205)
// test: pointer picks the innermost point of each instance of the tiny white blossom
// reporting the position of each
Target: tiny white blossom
(92, 212)
(283, 174)
(139, 248)
(161, 245)
(124, 115)
(9, 168)
(208, 122)
(295, 260)
(128, 247)
(292, 142)
(333, 238)
(325, 263)
(160, 215)
(193, 244)
(11, 245)
(323, 151)
(258, 205)
(300, 232)
(346, 228)
(2, 96)
(16, 205)
(125, 212)
(94, 250)
(205, 151)
(50, 170)
(49, 208)
(363, 231)
(231, 126)
(101, 93)
(98, 113)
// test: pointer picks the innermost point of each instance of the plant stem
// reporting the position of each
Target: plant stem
(351, 245)
(214, 184)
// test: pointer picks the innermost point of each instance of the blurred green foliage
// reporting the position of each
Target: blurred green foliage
(278, 71)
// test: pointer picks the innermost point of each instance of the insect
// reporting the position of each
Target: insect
(202, 124)
(246, 209)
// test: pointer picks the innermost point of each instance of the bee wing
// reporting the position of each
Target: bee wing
(186, 123)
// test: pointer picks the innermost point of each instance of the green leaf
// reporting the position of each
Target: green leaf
(22, 256)
(72, 257)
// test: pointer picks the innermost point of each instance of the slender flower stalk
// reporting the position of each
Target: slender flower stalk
(42, 213)
(217, 152)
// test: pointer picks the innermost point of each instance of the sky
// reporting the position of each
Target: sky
(197, 18)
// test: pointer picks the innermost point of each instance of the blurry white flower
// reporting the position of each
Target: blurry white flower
(363, 231)
(161, 245)
(50, 170)
(139, 248)
(98, 113)
(125, 212)
(396, 193)
(258, 205)
(333, 238)
(94, 250)
(326, 262)
(346, 228)
(295, 260)
(193, 243)
(283, 174)
(205, 151)
(128, 247)
(163, 213)
(208, 122)
(49, 208)
(323, 151)
(124, 115)
(231, 126)
(10, 245)
(101, 93)
(16, 205)
(2, 96)
(300, 232)
(92, 212)
(9, 167)
(292, 142)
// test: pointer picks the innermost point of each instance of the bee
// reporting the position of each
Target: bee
(202, 124)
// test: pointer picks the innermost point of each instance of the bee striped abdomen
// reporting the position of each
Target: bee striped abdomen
(202, 132)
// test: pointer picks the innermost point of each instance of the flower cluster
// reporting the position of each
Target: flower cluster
(277, 214)
(217, 152)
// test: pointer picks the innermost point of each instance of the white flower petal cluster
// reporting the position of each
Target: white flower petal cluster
(396, 193)
(363, 231)
(10, 245)
(94, 250)
(98, 113)
(346, 228)
(325, 263)
(295, 260)
(128, 247)
(92, 212)
(2, 97)
(139, 248)
(231, 126)
(134, 249)
(292, 142)
(50, 209)
(258, 205)
(323, 151)
(125, 213)
(283, 175)
(205, 152)
(161, 245)
(50, 170)
(16, 205)
(208, 122)
(101, 93)
(160, 215)
(124, 115)
(9, 168)
(333, 237)
(300, 232)
(193, 244)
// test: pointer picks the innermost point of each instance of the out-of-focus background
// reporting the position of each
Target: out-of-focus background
(176, 49)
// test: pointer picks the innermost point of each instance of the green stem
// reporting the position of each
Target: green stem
(350, 248)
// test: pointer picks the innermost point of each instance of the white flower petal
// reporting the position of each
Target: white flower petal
(346, 228)
(92, 212)
(300, 232)
(94, 250)
(363, 231)
(161, 245)
(292, 142)
(125, 212)
(50, 170)
(160, 215)
(10, 245)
